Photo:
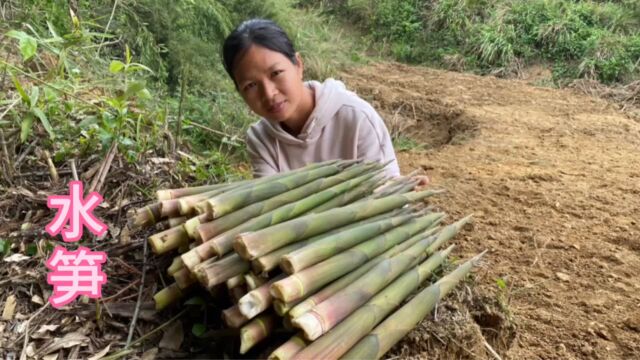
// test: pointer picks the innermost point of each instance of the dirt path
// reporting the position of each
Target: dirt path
(553, 179)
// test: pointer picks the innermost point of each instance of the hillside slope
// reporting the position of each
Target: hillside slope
(553, 179)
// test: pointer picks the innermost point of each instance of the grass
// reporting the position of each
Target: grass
(581, 39)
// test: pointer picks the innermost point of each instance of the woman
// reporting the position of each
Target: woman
(302, 122)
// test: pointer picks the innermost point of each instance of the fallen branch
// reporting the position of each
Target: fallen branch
(137, 310)
(127, 350)
(98, 179)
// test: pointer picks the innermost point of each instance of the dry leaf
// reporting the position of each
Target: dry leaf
(50, 357)
(9, 308)
(69, 340)
(21, 327)
(45, 328)
(173, 337)
(31, 350)
(16, 258)
(100, 354)
(150, 354)
(125, 236)
(43, 331)
(37, 299)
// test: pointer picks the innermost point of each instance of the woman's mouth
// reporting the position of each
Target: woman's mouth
(277, 107)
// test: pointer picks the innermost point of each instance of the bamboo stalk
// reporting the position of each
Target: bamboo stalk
(167, 296)
(341, 338)
(228, 202)
(187, 204)
(223, 243)
(169, 194)
(191, 225)
(169, 208)
(330, 312)
(216, 271)
(398, 324)
(258, 300)
(295, 209)
(344, 281)
(282, 308)
(255, 331)
(255, 244)
(144, 217)
(176, 265)
(270, 261)
(287, 350)
(211, 229)
(400, 186)
(253, 281)
(184, 278)
(233, 317)
(448, 232)
(201, 205)
(168, 240)
(334, 244)
(354, 194)
(312, 278)
(235, 281)
(175, 221)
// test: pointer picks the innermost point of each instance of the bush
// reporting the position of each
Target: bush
(581, 38)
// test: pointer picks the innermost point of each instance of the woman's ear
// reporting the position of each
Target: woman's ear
(300, 65)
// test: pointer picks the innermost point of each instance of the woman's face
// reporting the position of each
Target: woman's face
(270, 84)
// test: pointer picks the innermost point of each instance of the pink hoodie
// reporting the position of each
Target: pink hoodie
(341, 126)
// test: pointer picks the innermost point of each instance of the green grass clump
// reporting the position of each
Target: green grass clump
(591, 39)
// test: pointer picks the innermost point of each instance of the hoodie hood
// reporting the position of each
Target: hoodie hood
(329, 98)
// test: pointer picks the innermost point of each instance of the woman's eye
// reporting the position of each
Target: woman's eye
(249, 86)
(276, 73)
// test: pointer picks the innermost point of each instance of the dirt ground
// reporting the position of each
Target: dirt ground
(553, 180)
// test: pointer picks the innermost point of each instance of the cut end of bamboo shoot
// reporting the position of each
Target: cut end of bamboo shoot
(168, 240)
(164, 195)
(277, 290)
(309, 324)
(167, 296)
(191, 259)
(233, 317)
(144, 217)
(249, 305)
(191, 226)
(287, 265)
(175, 266)
(156, 244)
(241, 248)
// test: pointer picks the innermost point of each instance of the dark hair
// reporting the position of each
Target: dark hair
(265, 33)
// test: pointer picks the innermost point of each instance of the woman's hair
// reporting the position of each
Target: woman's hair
(261, 32)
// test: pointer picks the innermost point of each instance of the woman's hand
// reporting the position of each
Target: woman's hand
(423, 181)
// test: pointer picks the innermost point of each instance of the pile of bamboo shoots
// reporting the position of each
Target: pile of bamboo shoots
(329, 251)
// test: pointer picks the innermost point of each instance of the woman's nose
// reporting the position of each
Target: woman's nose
(269, 90)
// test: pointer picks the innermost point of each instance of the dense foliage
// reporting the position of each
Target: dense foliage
(593, 39)
(144, 73)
